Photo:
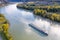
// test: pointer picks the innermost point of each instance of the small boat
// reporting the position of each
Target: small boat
(41, 31)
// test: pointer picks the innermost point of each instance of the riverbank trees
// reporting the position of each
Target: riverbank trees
(44, 13)
(48, 8)
(50, 12)
(39, 12)
(4, 26)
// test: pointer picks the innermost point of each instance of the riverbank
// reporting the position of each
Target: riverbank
(45, 14)
(4, 26)
(50, 12)
(2, 5)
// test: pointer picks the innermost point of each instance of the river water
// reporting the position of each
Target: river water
(19, 28)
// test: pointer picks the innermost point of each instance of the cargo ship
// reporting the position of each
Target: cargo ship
(38, 29)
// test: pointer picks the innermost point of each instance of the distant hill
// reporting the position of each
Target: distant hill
(7, 1)
(25, 0)
(4, 1)
(30, 0)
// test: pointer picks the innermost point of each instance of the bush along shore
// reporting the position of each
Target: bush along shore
(48, 8)
(45, 14)
(50, 12)
(4, 26)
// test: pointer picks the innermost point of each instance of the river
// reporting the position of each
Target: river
(19, 28)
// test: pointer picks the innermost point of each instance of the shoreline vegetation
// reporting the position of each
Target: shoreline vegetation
(4, 26)
(2, 5)
(46, 11)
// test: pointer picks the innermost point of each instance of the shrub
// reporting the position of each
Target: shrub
(40, 12)
(4, 26)
(43, 13)
(55, 17)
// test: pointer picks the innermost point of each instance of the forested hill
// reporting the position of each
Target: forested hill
(26, 0)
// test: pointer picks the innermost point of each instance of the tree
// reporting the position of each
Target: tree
(40, 12)
(5, 27)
